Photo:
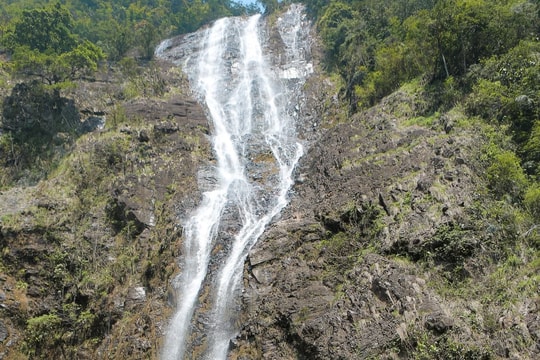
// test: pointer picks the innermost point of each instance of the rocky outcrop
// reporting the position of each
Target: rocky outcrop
(89, 252)
(30, 109)
(344, 273)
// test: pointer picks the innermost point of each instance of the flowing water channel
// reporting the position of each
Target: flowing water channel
(251, 86)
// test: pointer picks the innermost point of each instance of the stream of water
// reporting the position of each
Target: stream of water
(251, 96)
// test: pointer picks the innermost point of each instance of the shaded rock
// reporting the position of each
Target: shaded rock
(423, 184)
(143, 136)
(3, 331)
(29, 108)
(166, 128)
(123, 212)
(170, 114)
(438, 323)
(383, 204)
(93, 123)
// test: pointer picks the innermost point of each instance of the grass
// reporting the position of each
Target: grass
(379, 158)
(423, 121)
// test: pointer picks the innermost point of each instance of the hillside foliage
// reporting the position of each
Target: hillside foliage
(484, 55)
(115, 26)
(481, 56)
(59, 41)
(46, 47)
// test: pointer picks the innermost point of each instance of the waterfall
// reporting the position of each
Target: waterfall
(251, 98)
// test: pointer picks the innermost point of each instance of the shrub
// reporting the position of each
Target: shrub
(532, 200)
(505, 176)
(43, 332)
(531, 150)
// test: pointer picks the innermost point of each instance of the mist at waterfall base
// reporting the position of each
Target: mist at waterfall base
(251, 96)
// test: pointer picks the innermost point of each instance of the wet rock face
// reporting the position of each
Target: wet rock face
(252, 91)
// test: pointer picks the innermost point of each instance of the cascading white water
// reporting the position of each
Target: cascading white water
(251, 105)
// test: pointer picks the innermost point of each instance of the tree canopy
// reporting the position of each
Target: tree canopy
(482, 53)
(43, 45)
(116, 26)
(376, 46)
(45, 29)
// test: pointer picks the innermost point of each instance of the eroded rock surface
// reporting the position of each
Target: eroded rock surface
(336, 276)
(89, 252)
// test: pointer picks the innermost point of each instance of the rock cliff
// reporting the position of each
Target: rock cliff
(89, 251)
(383, 252)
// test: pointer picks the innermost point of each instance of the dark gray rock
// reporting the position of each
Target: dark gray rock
(3, 331)
(438, 323)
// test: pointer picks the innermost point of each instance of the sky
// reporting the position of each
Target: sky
(246, 2)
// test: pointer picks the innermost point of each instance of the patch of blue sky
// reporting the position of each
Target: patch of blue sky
(250, 2)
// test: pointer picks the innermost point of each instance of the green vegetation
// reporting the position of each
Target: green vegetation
(426, 348)
(42, 44)
(49, 47)
(349, 236)
(506, 177)
(472, 66)
(482, 53)
(115, 26)
(377, 46)
(43, 332)
(62, 41)
(482, 56)
(76, 270)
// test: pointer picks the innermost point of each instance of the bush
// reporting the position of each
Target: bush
(532, 200)
(506, 178)
(487, 99)
(531, 150)
(43, 332)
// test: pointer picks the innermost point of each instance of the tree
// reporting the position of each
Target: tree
(45, 30)
(334, 26)
(117, 39)
(146, 34)
(43, 46)
(55, 69)
(467, 31)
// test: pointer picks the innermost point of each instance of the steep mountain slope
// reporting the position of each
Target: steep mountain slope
(388, 249)
(89, 252)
